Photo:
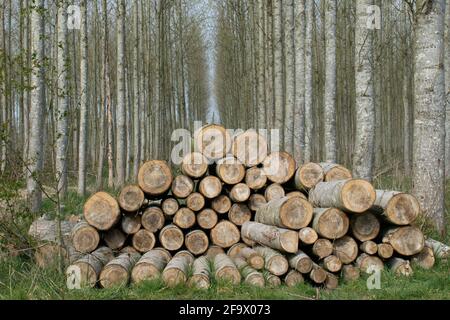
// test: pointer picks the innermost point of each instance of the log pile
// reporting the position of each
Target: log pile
(241, 214)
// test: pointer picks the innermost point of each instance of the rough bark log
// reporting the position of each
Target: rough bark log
(221, 204)
(200, 278)
(250, 148)
(225, 269)
(255, 178)
(330, 223)
(308, 175)
(240, 192)
(84, 272)
(279, 167)
(115, 239)
(276, 238)
(131, 198)
(405, 240)
(256, 201)
(170, 206)
(239, 214)
(293, 213)
(194, 165)
(307, 235)
(85, 238)
(210, 187)
(354, 195)
(301, 262)
(274, 261)
(250, 275)
(440, 249)
(335, 172)
(196, 242)
(131, 223)
(195, 201)
(293, 278)
(317, 274)
(171, 237)
(151, 265)
(368, 247)
(153, 219)
(230, 170)
(271, 279)
(331, 282)
(182, 186)
(346, 249)
(117, 271)
(207, 219)
(225, 234)
(424, 259)
(400, 267)
(155, 177)
(176, 271)
(184, 218)
(101, 211)
(365, 226)
(396, 207)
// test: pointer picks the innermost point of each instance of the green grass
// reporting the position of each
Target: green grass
(20, 278)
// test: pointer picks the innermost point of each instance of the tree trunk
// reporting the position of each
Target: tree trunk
(310, 21)
(278, 96)
(289, 53)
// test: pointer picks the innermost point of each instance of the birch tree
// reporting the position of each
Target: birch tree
(309, 10)
(278, 69)
(84, 94)
(365, 108)
(289, 42)
(137, 93)
(63, 101)
(330, 81)
(36, 149)
(429, 111)
(447, 87)
(121, 98)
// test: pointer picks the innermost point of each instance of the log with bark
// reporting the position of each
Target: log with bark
(322, 248)
(171, 237)
(396, 207)
(184, 218)
(353, 195)
(440, 249)
(330, 223)
(170, 206)
(255, 178)
(250, 148)
(274, 191)
(308, 175)
(274, 261)
(176, 271)
(115, 238)
(406, 241)
(225, 234)
(153, 219)
(368, 264)
(256, 201)
(301, 262)
(334, 172)
(225, 269)
(331, 263)
(346, 249)
(279, 167)
(117, 271)
(131, 223)
(271, 236)
(293, 278)
(200, 278)
(249, 275)
(85, 238)
(150, 265)
(369, 247)
(424, 259)
(194, 165)
(271, 279)
(230, 170)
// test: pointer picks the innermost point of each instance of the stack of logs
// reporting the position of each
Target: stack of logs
(237, 213)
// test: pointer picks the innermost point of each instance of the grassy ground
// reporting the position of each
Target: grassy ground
(21, 279)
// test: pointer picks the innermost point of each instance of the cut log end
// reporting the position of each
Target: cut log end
(131, 198)
(153, 219)
(225, 234)
(102, 211)
(155, 177)
(279, 167)
(308, 175)
(194, 165)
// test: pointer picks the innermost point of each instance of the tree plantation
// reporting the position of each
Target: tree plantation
(197, 142)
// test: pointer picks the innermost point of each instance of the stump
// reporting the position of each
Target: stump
(101, 211)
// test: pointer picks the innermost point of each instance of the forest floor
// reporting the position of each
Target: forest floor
(20, 278)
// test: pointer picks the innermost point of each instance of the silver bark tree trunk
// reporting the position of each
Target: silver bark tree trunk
(137, 95)
(309, 10)
(278, 69)
(35, 152)
(262, 107)
(330, 81)
(365, 107)
(289, 42)
(299, 112)
(83, 100)
(121, 98)
(429, 111)
(63, 102)
(447, 89)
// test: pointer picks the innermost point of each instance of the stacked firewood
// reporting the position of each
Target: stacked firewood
(238, 213)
